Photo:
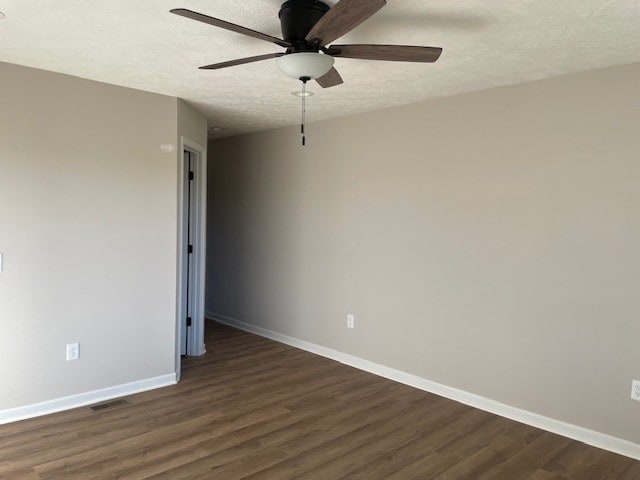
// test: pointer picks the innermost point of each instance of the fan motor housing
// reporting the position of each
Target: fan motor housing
(297, 17)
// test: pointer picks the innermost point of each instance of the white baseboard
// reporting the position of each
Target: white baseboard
(82, 399)
(590, 437)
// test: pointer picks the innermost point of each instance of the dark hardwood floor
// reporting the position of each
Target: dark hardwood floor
(255, 409)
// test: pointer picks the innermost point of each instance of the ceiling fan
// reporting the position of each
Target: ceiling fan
(308, 26)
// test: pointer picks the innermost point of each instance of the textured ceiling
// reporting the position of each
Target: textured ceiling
(139, 44)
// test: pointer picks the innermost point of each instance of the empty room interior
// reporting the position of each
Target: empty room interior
(350, 239)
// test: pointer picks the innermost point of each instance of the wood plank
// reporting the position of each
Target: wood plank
(255, 409)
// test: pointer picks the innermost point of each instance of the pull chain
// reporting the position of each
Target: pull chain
(304, 108)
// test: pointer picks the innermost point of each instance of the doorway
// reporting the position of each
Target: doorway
(191, 246)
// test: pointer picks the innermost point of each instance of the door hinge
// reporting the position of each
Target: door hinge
(188, 321)
(191, 175)
(190, 249)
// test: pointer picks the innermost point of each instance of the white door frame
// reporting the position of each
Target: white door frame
(196, 332)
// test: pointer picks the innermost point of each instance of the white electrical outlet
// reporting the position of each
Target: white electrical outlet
(635, 390)
(351, 321)
(73, 351)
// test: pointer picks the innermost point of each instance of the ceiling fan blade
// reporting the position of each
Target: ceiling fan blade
(183, 12)
(241, 61)
(394, 53)
(330, 79)
(343, 17)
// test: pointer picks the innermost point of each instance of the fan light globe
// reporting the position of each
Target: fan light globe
(306, 64)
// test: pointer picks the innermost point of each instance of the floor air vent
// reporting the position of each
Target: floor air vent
(111, 404)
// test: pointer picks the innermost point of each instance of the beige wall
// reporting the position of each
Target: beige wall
(88, 205)
(486, 241)
(191, 124)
